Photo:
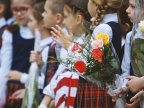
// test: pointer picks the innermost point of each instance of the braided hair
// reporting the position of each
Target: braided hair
(81, 7)
(105, 7)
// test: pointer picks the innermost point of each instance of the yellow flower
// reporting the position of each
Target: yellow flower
(103, 36)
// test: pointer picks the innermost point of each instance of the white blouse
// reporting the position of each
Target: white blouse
(2, 22)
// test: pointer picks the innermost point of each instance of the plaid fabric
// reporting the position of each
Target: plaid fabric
(91, 96)
(12, 87)
(52, 64)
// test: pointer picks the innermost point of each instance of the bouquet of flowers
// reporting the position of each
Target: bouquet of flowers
(95, 60)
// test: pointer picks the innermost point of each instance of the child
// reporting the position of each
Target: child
(74, 19)
(126, 26)
(106, 21)
(125, 23)
(36, 25)
(18, 41)
(135, 41)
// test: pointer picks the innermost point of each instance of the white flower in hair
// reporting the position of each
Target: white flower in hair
(141, 27)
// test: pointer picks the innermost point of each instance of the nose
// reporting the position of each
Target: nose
(18, 13)
(127, 10)
(63, 22)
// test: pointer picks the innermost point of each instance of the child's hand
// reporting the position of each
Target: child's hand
(14, 75)
(19, 94)
(135, 100)
(36, 57)
(135, 84)
(52, 104)
(61, 37)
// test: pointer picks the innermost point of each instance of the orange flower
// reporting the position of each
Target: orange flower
(98, 55)
(80, 66)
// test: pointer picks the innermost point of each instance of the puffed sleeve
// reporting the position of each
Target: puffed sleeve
(103, 28)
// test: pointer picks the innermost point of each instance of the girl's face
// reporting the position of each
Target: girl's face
(92, 7)
(21, 9)
(130, 10)
(70, 19)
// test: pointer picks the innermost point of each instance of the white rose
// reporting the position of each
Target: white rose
(141, 27)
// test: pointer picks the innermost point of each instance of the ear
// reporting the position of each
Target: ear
(79, 19)
(2, 7)
(59, 18)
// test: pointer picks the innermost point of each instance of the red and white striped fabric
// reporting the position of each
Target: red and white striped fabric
(65, 89)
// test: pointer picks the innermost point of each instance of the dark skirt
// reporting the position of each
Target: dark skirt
(12, 87)
(91, 96)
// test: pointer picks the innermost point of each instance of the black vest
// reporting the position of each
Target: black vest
(21, 52)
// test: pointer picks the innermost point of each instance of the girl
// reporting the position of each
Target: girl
(134, 45)
(75, 15)
(105, 20)
(36, 25)
(18, 41)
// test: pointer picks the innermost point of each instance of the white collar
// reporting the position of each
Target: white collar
(110, 17)
(45, 42)
(80, 39)
(2, 22)
(26, 32)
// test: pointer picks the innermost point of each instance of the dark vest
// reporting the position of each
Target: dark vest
(21, 52)
(117, 38)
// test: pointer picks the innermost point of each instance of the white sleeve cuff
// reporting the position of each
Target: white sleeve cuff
(48, 91)
(24, 78)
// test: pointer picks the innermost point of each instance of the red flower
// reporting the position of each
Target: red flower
(98, 55)
(80, 66)
(76, 47)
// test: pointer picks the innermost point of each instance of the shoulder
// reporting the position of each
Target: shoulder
(6, 34)
(67, 76)
(103, 28)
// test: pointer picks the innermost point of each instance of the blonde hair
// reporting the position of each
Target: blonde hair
(104, 7)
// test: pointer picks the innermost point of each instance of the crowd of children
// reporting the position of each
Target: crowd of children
(60, 24)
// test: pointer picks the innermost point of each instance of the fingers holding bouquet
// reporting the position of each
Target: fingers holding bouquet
(135, 84)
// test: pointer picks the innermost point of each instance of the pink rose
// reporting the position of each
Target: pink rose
(76, 47)
(97, 44)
